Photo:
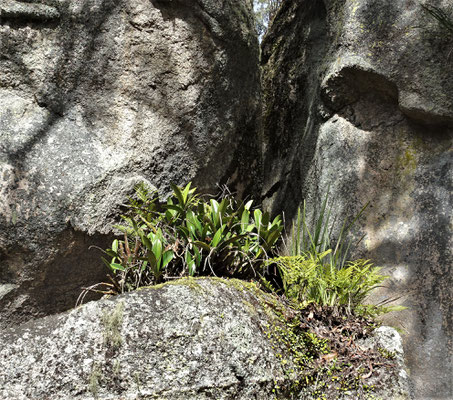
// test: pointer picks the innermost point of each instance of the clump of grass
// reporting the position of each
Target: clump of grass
(307, 279)
(318, 269)
(316, 238)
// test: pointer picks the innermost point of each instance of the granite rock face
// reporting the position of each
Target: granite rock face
(97, 95)
(192, 339)
(358, 97)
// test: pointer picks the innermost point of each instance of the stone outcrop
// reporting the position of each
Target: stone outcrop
(358, 98)
(96, 96)
(190, 339)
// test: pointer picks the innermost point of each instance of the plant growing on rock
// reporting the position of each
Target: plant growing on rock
(317, 269)
(189, 235)
(309, 279)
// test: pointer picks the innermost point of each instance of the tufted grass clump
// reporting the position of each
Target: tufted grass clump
(315, 267)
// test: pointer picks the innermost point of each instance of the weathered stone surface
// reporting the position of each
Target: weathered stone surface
(358, 97)
(388, 339)
(192, 339)
(97, 95)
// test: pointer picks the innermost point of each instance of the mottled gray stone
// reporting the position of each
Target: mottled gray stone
(358, 98)
(388, 340)
(192, 339)
(12, 9)
(97, 95)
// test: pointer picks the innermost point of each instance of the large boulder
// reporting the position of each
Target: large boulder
(96, 96)
(358, 98)
(190, 339)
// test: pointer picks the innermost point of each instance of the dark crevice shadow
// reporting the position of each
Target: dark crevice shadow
(291, 121)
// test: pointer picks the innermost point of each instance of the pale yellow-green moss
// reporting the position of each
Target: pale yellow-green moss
(93, 380)
(112, 322)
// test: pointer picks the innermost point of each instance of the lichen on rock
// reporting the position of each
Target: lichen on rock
(189, 339)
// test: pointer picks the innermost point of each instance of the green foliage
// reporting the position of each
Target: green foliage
(187, 235)
(308, 279)
(265, 11)
(316, 238)
(318, 270)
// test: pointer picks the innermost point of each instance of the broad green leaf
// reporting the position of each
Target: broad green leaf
(234, 239)
(115, 245)
(193, 220)
(245, 220)
(265, 220)
(178, 194)
(174, 208)
(203, 245)
(223, 206)
(107, 263)
(157, 249)
(152, 260)
(146, 241)
(186, 192)
(190, 263)
(271, 239)
(111, 253)
(197, 256)
(167, 257)
(115, 266)
(257, 216)
(217, 237)
(216, 217)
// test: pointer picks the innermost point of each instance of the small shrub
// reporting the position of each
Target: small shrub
(189, 236)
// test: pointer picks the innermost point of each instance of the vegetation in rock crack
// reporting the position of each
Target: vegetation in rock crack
(188, 235)
(316, 269)
(192, 235)
(320, 353)
(308, 279)
(324, 358)
(326, 292)
(316, 237)
(320, 313)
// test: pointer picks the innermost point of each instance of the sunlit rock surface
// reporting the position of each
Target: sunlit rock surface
(97, 95)
(358, 98)
(191, 339)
